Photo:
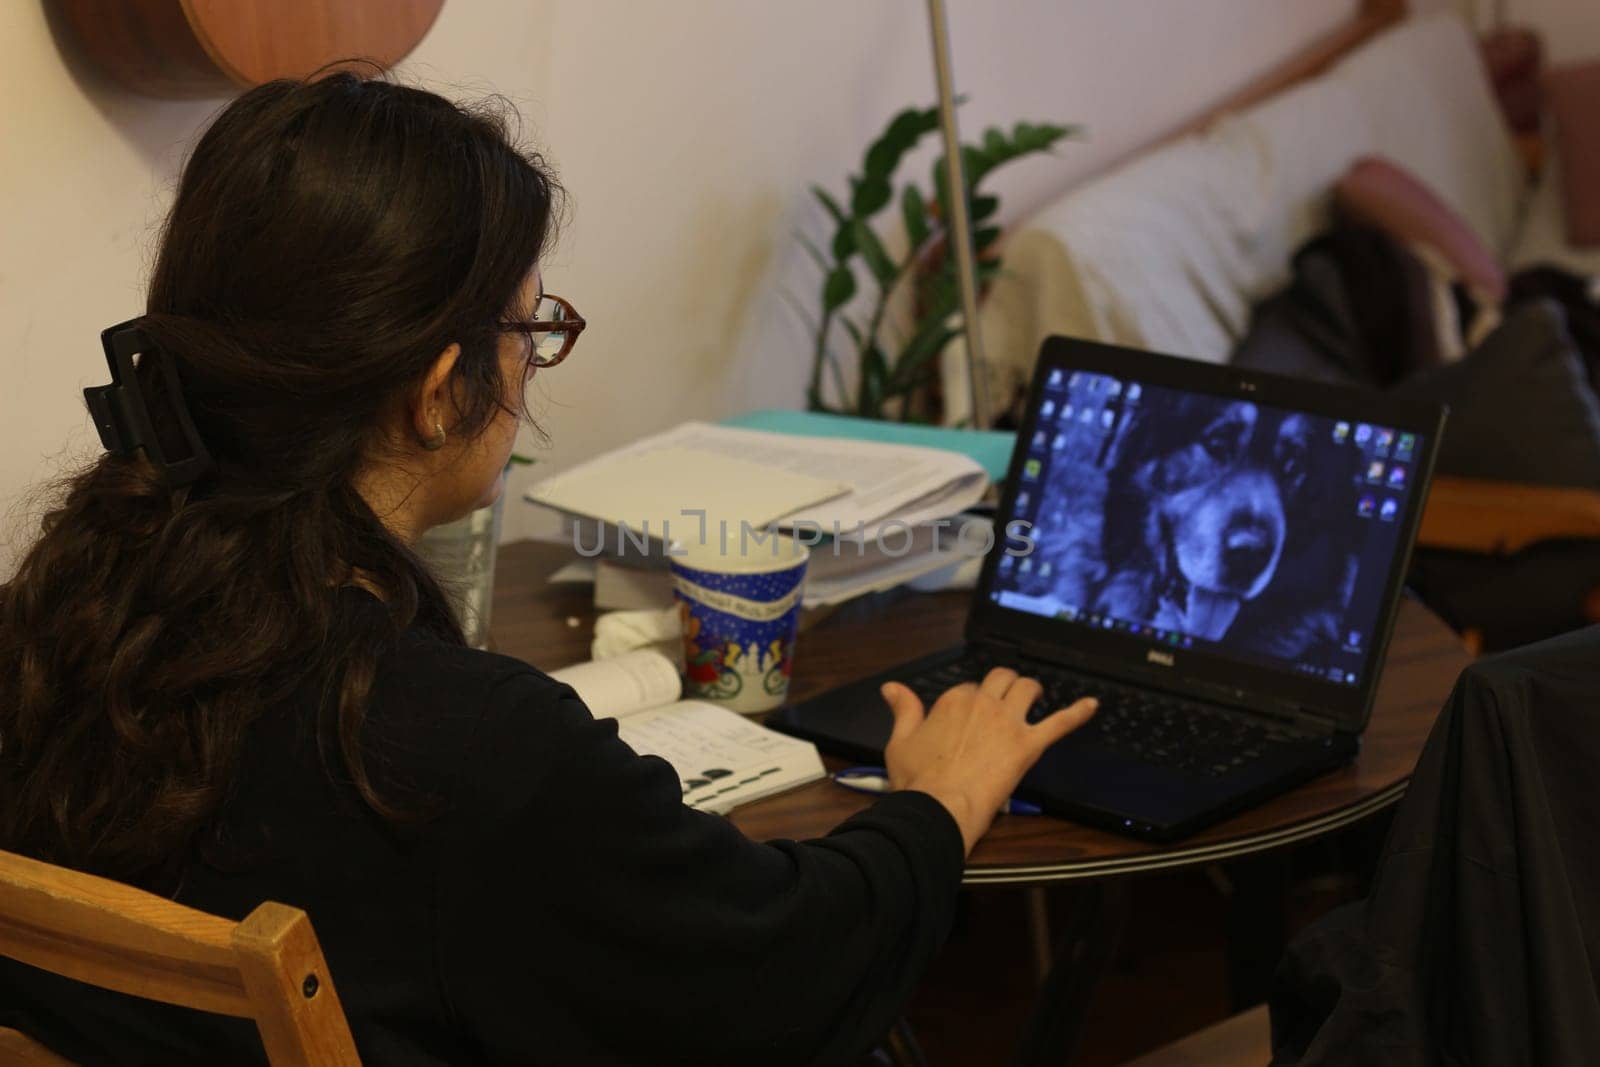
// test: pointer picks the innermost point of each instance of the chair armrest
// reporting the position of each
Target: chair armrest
(20, 1050)
(1500, 518)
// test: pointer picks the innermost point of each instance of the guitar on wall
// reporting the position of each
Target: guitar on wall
(206, 48)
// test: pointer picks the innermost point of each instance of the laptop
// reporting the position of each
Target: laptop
(1216, 554)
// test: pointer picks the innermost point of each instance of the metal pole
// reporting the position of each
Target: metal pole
(960, 220)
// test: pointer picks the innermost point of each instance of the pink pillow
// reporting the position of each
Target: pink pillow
(1573, 96)
(1380, 194)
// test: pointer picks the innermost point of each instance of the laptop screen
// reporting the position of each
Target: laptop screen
(1197, 521)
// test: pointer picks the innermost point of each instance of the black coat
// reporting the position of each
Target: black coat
(1480, 942)
(564, 907)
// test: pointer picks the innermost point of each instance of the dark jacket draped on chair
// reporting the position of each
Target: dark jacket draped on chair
(1480, 942)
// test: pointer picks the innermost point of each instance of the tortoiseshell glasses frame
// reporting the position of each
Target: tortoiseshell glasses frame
(552, 332)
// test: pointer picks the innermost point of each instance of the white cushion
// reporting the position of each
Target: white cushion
(1146, 255)
(1171, 250)
(1424, 88)
(1301, 142)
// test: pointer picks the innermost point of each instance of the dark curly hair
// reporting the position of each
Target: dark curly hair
(328, 240)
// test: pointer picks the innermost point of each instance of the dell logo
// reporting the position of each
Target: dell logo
(1163, 658)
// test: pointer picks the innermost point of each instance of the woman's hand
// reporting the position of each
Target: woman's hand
(972, 748)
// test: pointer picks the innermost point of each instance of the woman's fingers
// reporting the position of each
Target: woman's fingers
(1022, 694)
(1054, 727)
(998, 681)
(905, 706)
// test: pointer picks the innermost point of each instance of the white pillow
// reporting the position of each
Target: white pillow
(1155, 248)
(1171, 250)
(1300, 143)
(1428, 97)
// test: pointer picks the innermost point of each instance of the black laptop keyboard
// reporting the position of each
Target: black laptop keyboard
(1154, 727)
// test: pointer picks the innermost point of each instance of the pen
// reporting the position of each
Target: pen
(876, 780)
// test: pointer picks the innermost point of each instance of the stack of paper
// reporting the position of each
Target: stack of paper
(877, 514)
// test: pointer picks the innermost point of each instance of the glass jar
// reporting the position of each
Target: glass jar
(461, 555)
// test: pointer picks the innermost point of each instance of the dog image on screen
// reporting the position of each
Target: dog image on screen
(1222, 520)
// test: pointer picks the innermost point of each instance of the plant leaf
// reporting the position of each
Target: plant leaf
(874, 379)
(816, 253)
(902, 134)
(870, 195)
(920, 360)
(878, 261)
(844, 242)
(830, 204)
(983, 207)
(843, 248)
(837, 290)
(929, 340)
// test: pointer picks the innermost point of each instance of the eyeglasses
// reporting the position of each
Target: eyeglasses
(552, 331)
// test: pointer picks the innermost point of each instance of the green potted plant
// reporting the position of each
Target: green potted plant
(894, 364)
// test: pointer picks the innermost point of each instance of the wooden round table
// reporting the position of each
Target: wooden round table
(551, 626)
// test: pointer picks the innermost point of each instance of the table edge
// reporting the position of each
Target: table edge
(1165, 859)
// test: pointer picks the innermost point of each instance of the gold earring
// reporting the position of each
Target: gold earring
(436, 442)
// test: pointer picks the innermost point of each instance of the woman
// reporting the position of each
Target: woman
(225, 676)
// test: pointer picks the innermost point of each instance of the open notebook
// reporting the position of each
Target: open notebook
(723, 759)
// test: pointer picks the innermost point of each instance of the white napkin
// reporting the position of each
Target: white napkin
(617, 632)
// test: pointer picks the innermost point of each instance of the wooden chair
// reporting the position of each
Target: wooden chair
(268, 968)
(1503, 518)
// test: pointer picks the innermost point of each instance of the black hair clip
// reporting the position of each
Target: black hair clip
(121, 410)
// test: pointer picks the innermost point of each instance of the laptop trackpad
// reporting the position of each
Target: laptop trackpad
(1082, 774)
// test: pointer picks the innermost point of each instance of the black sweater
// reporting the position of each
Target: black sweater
(561, 906)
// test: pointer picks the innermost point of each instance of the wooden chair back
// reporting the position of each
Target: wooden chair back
(268, 968)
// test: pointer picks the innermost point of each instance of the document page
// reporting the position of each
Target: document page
(624, 685)
(645, 489)
(722, 758)
(886, 481)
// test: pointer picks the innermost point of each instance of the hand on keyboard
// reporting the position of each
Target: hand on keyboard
(973, 746)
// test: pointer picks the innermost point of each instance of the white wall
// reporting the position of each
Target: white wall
(687, 134)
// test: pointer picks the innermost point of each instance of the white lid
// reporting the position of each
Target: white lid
(740, 550)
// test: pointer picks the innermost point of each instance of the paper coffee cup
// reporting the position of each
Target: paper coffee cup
(739, 602)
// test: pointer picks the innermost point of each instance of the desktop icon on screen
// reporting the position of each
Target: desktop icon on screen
(1381, 441)
(1366, 506)
(1341, 432)
(1375, 471)
(1390, 508)
(1397, 477)
(1363, 432)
